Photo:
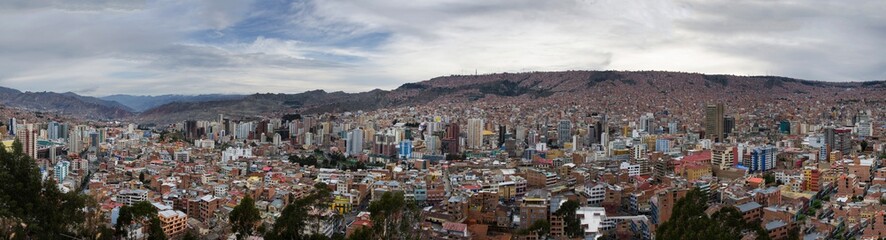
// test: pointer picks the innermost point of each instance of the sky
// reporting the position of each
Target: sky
(152, 47)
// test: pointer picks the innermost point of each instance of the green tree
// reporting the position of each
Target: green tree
(361, 234)
(794, 233)
(539, 227)
(190, 235)
(102, 233)
(295, 219)
(394, 218)
(335, 159)
(769, 178)
(244, 218)
(690, 221)
(322, 198)
(816, 204)
(155, 230)
(291, 223)
(310, 160)
(141, 212)
(573, 224)
(31, 208)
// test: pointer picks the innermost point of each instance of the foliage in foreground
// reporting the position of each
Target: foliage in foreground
(690, 221)
(31, 208)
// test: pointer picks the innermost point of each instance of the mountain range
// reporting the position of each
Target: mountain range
(67, 103)
(142, 103)
(588, 85)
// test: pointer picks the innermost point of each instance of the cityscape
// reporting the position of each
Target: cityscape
(274, 120)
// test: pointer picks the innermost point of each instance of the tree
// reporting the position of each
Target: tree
(303, 161)
(33, 208)
(394, 218)
(295, 219)
(539, 227)
(689, 221)
(291, 222)
(335, 158)
(322, 197)
(190, 235)
(794, 233)
(155, 230)
(141, 212)
(244, 218)
(573, 224)
(102, 233)
(769, 178)
(361, 233)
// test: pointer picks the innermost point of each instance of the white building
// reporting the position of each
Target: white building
(354, 143)
(593, 219)
(633, 169)
(475, 133)
(596, 193)
(201, 143)
(61, 170)
(130, 197)
(236, 153)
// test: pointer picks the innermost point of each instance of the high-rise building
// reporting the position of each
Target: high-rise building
(604, 141)
(714, 122)
(864, 127)
(520, 134)
(564, 132)
(190, 129)
(94, 140)
(451, 140)
(593, 135)
(52, 130)
(502, 131)
(27, 135)
(532, 137)
(277, 139)
(61, 170)
(762, 158)
(838, 139)
(432, 144)
(647, 123)
(784, 126)
(672, 128)
(405, 149)
(475, 133)
(663, 145)
(12, 126)
(722, 156)
(728, 125)
(74, 141)
(354, 142)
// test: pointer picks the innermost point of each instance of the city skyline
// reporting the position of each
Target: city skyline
(442, 120)
(99, 48)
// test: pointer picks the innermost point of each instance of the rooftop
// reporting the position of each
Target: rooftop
(748, 206)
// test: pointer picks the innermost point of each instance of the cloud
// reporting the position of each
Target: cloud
(80, 5)
(817, 40)
(232, 46)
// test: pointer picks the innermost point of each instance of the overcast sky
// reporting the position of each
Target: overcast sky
(102, 47)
